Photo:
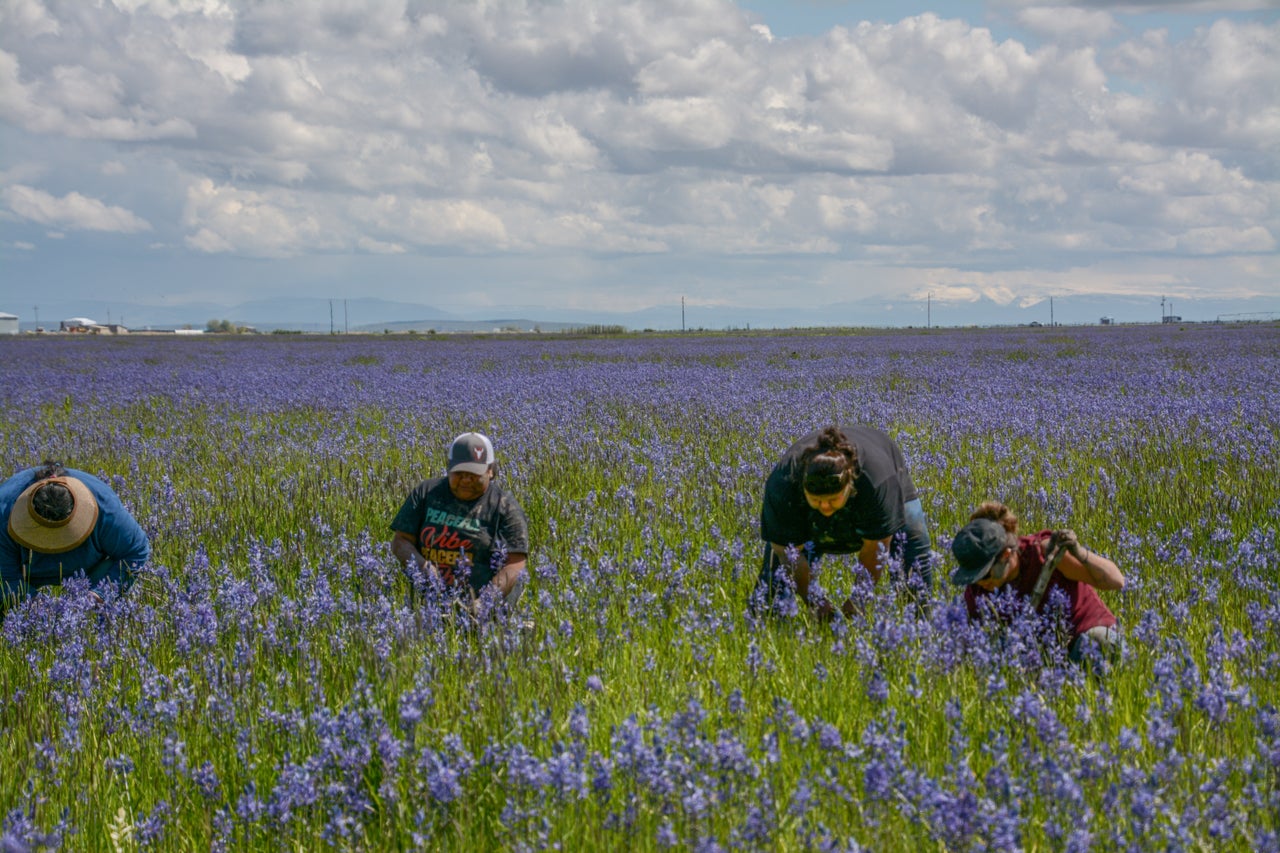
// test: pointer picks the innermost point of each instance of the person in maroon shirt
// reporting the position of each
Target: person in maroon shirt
(991, 554)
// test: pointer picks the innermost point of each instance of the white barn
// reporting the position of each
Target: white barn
(8, 324)
(77, 324)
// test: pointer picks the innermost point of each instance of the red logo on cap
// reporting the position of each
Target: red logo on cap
(478, 452)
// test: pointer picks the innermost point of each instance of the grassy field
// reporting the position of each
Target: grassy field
(266, 685)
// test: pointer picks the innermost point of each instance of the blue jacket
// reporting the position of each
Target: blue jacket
(115, 549)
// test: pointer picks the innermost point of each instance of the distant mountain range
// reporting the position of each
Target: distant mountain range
(311, 314)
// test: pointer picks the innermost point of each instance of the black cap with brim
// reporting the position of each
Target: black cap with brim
(470, 452)
(976, 548)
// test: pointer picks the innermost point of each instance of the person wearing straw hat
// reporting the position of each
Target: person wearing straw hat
(464, 530)
(60, 522)
(990, 555)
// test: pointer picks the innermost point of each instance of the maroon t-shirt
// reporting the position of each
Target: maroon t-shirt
(1087, 609)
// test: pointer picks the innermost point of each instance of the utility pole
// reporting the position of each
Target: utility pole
(37, 307)
(928, 312)
(346, 326)
(1051, 312)
(331, 316)
(682, 313)
(1161, 309)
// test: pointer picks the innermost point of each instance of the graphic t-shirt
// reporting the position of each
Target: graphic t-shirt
(445, 528)
(874, 511)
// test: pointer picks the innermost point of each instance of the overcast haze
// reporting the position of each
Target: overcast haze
(572, 159)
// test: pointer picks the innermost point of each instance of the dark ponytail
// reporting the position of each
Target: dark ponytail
(831, 463)
(54, 501)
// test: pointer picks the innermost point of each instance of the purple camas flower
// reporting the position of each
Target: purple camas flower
(206, 781)
(829, 738)
(443, 782)
(150, 829)
(272, 651)
(601, 777)
(801, 799)
(414, 703)
(121, 765)
(878, 687)
(249, 808)
(579, 722)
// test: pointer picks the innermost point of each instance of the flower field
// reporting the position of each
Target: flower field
(267, 685)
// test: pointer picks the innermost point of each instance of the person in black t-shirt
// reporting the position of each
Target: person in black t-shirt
(464, 530)
(841, 490)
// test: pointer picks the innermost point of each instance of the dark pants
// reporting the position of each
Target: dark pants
(910, 548)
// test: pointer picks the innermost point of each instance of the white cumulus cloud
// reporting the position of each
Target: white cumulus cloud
(516, 130)
(72, 210)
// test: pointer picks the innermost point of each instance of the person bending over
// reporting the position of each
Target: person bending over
(60, 522)
(842, 490)
(991, 555)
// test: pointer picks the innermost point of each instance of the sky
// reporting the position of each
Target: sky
(845, 160)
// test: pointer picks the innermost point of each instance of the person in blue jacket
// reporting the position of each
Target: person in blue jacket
(60, 522)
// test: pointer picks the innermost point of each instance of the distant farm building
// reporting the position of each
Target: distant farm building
(1172, 318)
(85, 326)
(1107, 321)
(8, 324)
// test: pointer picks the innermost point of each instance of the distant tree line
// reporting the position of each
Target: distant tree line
(227, 327)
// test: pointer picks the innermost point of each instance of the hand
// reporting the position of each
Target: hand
(424, 574)
(466, 612)
(1066, 539)
(824, 610)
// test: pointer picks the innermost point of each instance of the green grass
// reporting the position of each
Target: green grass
(643, 523)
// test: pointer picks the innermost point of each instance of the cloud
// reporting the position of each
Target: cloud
(1144, 6)
(1067, 22)
(378, 247)
(72, 210)
(1215, 89)
(521, 131)
(227, 219)
(1221, 240)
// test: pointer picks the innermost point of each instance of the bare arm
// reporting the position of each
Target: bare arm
(1086, 566)
(802, 574)
(800, 571)
(404, 549)
(869, 556)
(1081, 564)
(505, 580)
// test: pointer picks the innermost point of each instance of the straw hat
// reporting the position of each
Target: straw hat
(31, 530)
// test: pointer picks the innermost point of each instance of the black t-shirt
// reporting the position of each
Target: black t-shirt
(874, 511)
(444, 527)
